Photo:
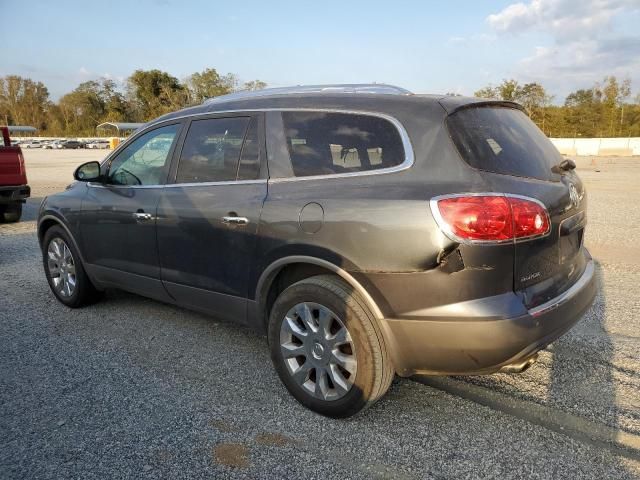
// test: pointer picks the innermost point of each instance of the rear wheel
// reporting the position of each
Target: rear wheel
(11, 213)
(327, 348)
(66, 276)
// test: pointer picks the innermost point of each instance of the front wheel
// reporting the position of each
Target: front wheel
(66, 276)
(327, 347)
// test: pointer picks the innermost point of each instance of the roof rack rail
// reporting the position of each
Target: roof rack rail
(375, 88)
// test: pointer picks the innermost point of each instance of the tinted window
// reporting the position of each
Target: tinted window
(249, 167)
(144, 161)
(322, 143)
(503, 140)
(211, 150)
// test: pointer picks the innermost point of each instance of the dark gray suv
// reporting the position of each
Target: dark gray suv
(368, 231)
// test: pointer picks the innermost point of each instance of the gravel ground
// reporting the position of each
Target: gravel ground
(132, 388)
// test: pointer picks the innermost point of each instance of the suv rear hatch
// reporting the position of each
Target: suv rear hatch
(516, 158)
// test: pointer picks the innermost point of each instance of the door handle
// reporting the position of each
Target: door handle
(235, 220)
(141, 216)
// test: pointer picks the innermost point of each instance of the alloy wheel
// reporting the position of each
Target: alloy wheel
(61, 265)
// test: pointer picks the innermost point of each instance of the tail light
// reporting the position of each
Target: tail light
(490, 218)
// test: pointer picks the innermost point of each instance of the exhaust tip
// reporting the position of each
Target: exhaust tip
(519, 367)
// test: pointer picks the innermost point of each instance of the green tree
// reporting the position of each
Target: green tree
(207, 84)
(254, 85)
(153, 92)
(23, 101)
(91, 103)
(489, 91)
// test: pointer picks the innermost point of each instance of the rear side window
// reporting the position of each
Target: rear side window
(324, 143)
(503, 140)
(211, 150)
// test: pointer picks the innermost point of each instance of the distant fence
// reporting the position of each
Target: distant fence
(621, 147)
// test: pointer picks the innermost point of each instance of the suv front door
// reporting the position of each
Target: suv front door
(208, 216)
(118, 221)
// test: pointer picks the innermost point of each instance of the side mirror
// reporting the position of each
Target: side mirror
(87, 172)
(567, 164)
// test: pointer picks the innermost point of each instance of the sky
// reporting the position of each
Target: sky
(424, 46)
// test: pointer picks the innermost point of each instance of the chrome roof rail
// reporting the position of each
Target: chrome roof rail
(370, 88)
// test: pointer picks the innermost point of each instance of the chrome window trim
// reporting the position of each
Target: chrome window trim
(223, 182)
(113, 185)
(567, 295)
(408, 161)
(404, 137)
(174, 185)
(444, 227)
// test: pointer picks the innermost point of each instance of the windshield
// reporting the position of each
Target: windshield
(503, 140)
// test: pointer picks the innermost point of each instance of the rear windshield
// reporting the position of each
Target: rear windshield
(503, 140)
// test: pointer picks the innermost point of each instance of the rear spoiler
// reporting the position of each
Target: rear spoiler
(5, 136)
(455, 104)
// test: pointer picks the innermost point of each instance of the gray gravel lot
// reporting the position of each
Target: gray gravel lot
(132, 388)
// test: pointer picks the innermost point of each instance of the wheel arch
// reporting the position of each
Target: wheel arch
(302, 266)
(47, 221)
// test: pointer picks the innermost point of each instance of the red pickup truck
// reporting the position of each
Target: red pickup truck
(13, 180)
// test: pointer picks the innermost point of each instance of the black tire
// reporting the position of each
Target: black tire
(11, 213)
(374, 367)
(84, 292)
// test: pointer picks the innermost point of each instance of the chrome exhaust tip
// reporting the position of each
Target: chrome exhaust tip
(519, 367)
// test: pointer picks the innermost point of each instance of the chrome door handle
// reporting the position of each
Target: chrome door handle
(142, 216)
(235, 220)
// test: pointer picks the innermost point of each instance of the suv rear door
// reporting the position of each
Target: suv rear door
(519, 159)
(209, 212)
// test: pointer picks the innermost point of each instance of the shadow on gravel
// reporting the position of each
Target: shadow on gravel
(587, 376)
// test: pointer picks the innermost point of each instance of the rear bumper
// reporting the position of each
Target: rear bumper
(14, 193)
(483, 336)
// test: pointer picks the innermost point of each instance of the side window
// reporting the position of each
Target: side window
(144, 161)
(249, 167)
(211, 150)
(322, 143)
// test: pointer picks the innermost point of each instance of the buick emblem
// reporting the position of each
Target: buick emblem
(573, 195)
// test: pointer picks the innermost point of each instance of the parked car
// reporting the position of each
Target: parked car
(14, 189)
(98, 144)
(32, 144)
(72, 144)
(369, 232)
(53, 145)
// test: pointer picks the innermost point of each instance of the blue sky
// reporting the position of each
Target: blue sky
(424, 46)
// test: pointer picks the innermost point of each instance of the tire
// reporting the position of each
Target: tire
(317, 376)
(11, 213)
(56, 251)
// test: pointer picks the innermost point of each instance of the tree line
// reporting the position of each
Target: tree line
(604, 110)
(147, 94)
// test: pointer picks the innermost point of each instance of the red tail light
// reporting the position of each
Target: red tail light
(490, 218)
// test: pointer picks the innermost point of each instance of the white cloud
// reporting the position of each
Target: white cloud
(565, 19)
(584, 44)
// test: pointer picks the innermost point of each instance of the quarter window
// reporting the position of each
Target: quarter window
(322, 143)
(144, 161)
(211, 150)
